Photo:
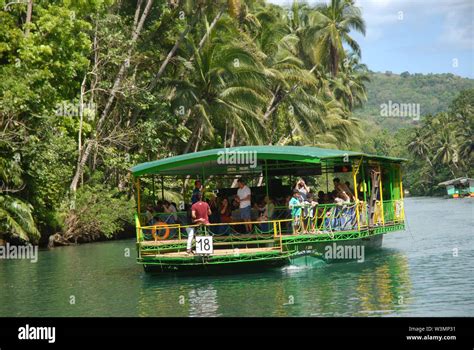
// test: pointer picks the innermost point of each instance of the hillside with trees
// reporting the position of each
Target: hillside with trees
(433, 92)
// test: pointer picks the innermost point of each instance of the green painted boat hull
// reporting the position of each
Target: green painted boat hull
(296, 249)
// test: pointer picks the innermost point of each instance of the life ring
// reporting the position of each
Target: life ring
(160, 226)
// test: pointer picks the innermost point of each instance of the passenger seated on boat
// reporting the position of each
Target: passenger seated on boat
(321, 196)
(295, 206)
(150, 215)
(200, 212)
(262, 214)
(214, 206)
(225, 210)
(328, 198)
(343, 214)
(169, 208)
(341, 188)
(348, 184)
(259, 208)
(159, 207)
(269, 208)
(225, 215)
(234, 205)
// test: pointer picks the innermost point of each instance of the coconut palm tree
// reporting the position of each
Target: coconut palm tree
(224, 86)
(295, 109)
(446, 150)
(334, 21)
(349, 86)
(420, 147)
(285, 72)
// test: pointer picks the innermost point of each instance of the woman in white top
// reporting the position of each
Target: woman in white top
(302, 188)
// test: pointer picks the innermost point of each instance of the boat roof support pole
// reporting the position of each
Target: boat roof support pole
(153, 189)
(266, 178)
(392, 179)
(381, 195)
(364, 191)
(354, 178)
(364, 183)
(401, 190)
(162, 188)
(327, 177)
(203, 186)
(138, 197)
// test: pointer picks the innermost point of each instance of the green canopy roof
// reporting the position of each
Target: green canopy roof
(208, 158)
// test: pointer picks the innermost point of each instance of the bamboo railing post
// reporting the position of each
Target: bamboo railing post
(364, 190)
(138, 198)
(401, 192)
(381, 196)
(354, 178)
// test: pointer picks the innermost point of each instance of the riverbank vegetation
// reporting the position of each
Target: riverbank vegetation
(90, 88)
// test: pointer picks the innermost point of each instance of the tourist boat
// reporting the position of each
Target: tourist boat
(459, 188)
(376, 207)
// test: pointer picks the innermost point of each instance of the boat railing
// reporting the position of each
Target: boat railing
(393, 211)
(320, 218)
(270, 231)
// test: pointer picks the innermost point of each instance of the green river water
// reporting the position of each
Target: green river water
(427, 270)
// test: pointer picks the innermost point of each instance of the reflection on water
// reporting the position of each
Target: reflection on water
(380, 286)
(386, 288)
(203, 301)
(414, 274)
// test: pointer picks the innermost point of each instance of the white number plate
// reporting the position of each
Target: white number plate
(204, 245)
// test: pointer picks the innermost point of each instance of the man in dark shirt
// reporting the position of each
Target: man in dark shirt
(198, 188)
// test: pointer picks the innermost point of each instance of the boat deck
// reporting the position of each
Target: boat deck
(218, 252)
(233, 239)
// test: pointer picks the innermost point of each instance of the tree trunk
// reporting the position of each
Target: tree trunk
(172, 52)
(198, 139)
(154, 82)
(117, 82)
(208, 32)
(275, 102)
(232, 138)
(81, 119)
(29, 12)
(80, 165)
(191, 140)
(334, 60)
